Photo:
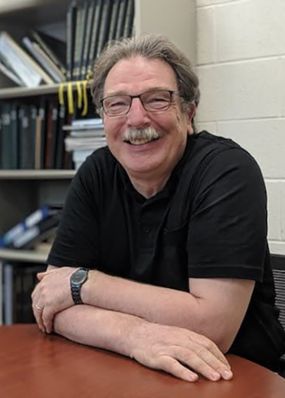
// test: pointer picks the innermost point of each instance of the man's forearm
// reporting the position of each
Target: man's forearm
(153, 303)
(97, 327)
(209, 311)
(174, 350)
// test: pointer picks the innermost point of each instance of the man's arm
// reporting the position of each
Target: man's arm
(208, 309)
(177, 351)
(215, 307)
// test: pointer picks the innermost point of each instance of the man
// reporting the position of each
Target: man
(170, 227)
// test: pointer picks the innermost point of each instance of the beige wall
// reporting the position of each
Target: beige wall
(241, 65)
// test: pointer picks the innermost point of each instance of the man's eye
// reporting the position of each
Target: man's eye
(115, 104)
(157, 99)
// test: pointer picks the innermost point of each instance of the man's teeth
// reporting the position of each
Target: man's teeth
(141, 141)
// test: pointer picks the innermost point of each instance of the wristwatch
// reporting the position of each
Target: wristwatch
(77, 279)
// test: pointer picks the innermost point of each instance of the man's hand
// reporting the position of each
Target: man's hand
(179, 352)
(51, 295)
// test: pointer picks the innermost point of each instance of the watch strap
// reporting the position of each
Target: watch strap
(75, 286)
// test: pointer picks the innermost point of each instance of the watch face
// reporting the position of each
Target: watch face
(79, 276)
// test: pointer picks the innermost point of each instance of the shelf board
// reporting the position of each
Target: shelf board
(18, 92)
(36, 174)
(16, 5)
(26, 12)
(33, 256)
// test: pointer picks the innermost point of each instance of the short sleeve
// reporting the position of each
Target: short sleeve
(227, 234)
(76, 242)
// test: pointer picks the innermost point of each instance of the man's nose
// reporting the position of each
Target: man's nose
(137, 115)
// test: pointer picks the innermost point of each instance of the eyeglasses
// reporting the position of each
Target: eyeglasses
(152, 101)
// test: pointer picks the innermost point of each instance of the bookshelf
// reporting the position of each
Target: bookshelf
(23, 190)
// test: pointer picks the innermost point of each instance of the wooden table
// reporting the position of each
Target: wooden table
(33, 365)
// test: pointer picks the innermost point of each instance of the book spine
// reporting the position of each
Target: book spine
(104, 26)
(8, 284)
(94, 35)
(87, 43)
(70, 38)
(129, 19)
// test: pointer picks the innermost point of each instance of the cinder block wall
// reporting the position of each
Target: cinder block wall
(241, 65)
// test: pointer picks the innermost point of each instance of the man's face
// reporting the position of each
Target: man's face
(156, 158)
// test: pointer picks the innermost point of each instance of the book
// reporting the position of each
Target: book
(79, 38)
(26, 120)
(12, 75)
(104, 26)
(0, 141)
(54, 48)
(70, 38)
(28, 222)
(40, 134)
(84, 37)
(19, 280)
(9, 142)
(51, 131)
(79, 156)
(60, 136)
(86, 46)
(129, 19)
(38, 139)
(93, 142)
(86, 123)
(113, 20)
(43, 59)
(121, 19)
(40, 232)
(21, 63)
(94, 35)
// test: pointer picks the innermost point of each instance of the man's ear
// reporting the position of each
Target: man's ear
(190, 114)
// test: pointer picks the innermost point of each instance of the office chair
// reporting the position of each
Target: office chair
(278, 266)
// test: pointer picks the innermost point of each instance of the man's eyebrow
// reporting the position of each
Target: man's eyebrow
(122, 92)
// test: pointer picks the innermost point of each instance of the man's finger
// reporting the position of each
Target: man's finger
(210, 346)
(47, 319)
(208, 364)
(38, 316)
(174, 367)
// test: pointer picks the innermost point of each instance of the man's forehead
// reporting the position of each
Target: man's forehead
(140, 72)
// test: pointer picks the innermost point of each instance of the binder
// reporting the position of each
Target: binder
(38, 233)
(9, 142)
(26, 119)
(28, 222)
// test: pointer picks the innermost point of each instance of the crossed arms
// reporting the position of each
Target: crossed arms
(161, 328)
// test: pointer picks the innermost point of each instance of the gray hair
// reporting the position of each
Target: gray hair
(149, 46)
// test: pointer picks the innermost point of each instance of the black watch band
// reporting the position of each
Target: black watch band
(77, 279)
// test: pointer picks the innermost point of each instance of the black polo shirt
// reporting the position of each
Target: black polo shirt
(209, 221)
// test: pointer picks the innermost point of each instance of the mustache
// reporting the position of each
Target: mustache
(148, 133)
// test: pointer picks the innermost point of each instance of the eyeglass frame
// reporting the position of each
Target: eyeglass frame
(131, 97)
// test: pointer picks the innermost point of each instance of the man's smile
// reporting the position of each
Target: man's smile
(141, 140)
